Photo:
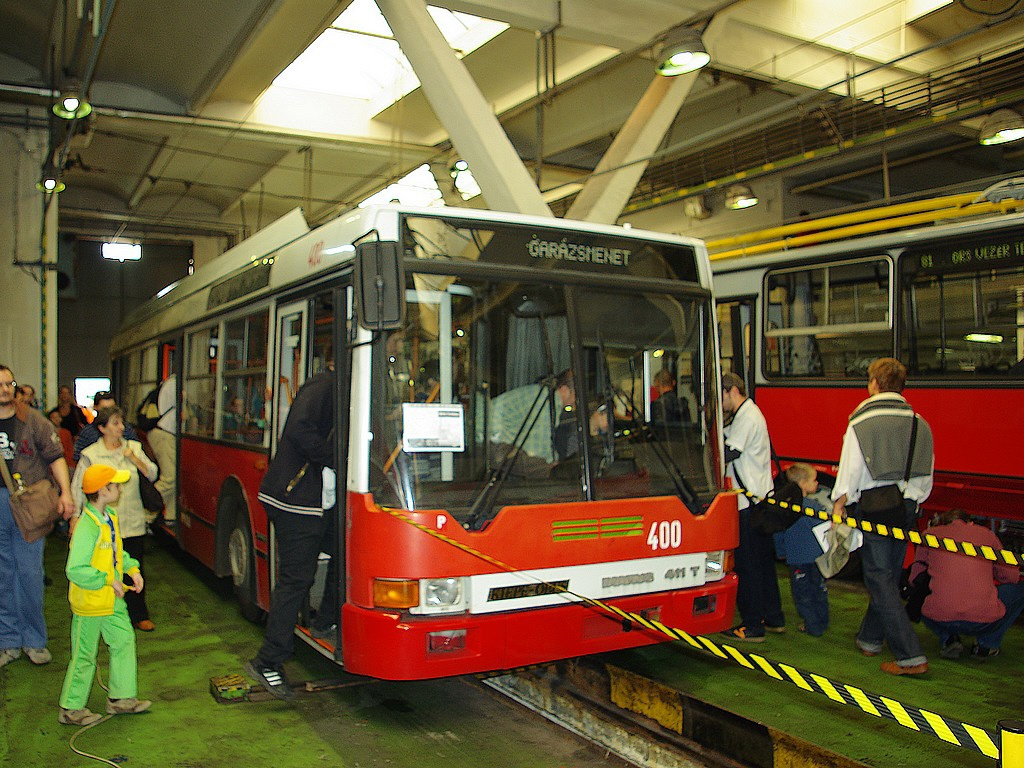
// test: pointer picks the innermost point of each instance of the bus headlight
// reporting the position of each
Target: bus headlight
(442, 596)
(714, 565)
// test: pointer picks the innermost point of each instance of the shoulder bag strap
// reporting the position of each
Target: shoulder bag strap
(910, 453)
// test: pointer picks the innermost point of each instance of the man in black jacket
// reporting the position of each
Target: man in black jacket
(292, 493)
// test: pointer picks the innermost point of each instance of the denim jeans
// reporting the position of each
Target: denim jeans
(21, 584)
(299, 540)
(886, 618)
(757, 595)
(810, 595)
(988, 635)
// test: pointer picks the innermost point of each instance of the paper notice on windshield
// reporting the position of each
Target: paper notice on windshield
(433, 427)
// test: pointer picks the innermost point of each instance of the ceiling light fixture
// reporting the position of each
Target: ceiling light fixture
(1001, 126)
(49, 182)
(740, 196)
(72, 103)
(683, 52)
(122, 251)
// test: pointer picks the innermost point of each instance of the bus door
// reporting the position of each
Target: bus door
(735, 328)
(289, 361)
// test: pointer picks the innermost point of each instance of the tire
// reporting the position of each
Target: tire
(241, 559)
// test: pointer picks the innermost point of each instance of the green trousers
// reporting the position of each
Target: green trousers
(119, 635)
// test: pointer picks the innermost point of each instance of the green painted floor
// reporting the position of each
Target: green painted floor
(979, 692)
(199, 635)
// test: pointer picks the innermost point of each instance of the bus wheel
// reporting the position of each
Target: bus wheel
(243, 569)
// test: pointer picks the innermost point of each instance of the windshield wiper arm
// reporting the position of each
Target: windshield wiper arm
(481, 511)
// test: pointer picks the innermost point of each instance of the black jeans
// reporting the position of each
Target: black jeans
(757, 594)
(136, 601)
(299, 539)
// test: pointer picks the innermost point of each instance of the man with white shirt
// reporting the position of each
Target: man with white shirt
(748, 456)
(876, 453)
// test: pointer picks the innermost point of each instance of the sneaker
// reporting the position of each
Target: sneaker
(7, 655)
(324, 633)
(981, 652)
(38, 656)
(271, 678)
(130, 706)
(952, 648)
(867, 651)
(83, 716)
(743, 635)
(779, 630)
(893, 668)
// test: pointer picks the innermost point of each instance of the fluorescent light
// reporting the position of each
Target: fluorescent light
(122, 251)
(984, 338)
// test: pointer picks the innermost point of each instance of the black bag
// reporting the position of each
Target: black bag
(914, 592)
(769, 517)
(884, 505)
(148, 413)
(151, 498)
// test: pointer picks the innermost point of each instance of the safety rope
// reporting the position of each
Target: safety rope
(915, 537)
(916, 719)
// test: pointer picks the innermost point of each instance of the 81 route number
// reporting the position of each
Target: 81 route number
(666, 534)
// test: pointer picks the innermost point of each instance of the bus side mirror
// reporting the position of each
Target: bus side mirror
(379, 286)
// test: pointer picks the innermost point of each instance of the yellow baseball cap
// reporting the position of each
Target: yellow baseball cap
(98, 475)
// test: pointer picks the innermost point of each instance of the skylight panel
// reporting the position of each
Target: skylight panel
(357, 56)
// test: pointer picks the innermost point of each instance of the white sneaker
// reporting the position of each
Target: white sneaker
(7, 655)
(38, 656)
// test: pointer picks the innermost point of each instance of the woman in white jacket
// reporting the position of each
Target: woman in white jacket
(112, 449)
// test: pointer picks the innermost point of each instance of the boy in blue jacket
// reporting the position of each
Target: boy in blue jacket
(96, 566)
(799, 546)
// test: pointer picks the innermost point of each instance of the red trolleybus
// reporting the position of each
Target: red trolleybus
(803, 325)
(508, 406)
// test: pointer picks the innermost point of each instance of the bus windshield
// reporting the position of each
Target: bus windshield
(503, 393)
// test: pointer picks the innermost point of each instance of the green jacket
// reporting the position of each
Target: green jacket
(90, 567)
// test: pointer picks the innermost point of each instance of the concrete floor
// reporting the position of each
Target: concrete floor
(979, 692)
(199, 635)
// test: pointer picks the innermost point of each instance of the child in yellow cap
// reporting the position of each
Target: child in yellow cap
(96, 566)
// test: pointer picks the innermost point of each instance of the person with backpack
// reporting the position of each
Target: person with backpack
(162, 435)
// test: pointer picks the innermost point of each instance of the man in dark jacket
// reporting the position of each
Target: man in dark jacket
(292, 493)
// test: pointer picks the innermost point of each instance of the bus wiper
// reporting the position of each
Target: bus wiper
(683, 488)
(482, 509)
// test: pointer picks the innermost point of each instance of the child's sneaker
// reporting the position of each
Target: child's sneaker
(83, 716)
(131, 706)
(38, 656)
(981, 652)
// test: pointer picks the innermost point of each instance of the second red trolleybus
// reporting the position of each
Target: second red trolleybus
(501, 452)
(803, 325)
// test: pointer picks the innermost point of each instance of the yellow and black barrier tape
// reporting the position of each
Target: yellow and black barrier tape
(926, 539)
(921, 720)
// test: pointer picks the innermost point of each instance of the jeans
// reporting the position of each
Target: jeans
(757, 595)
(810, 595)
(136, 601)
(21, 584)
(886, 618)
(988, 635)
(299, 541)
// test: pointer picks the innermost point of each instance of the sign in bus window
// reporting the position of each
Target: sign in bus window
(432, 427)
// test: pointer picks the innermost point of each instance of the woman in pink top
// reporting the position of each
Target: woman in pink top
(965, 599)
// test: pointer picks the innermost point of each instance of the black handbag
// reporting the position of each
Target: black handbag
(151, 498)
(914, 592)
(885, 504)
